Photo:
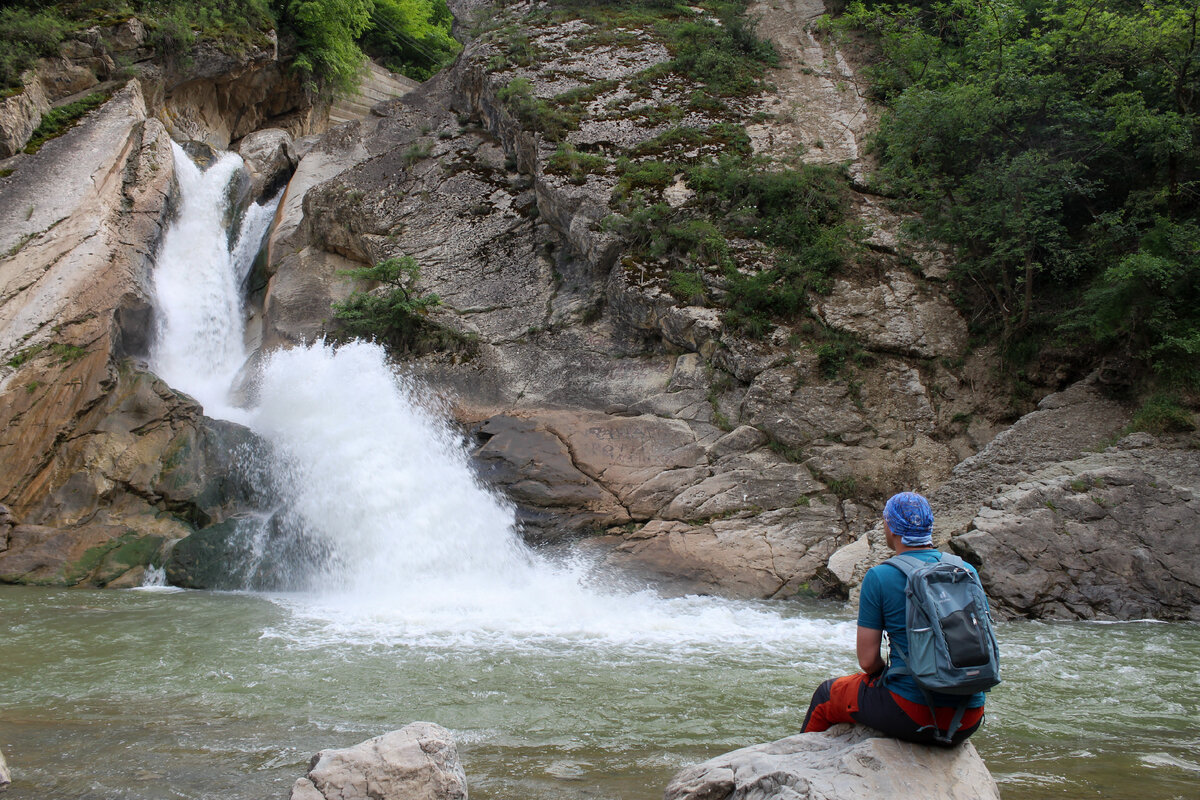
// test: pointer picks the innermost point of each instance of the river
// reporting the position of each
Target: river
(558, 679)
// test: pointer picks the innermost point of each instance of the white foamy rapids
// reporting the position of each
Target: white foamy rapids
(423, 552)
(197, 281)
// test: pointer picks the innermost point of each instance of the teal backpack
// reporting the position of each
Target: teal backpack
(951, 646)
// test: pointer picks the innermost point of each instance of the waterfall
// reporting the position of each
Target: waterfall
(403, 542)
(200, 347)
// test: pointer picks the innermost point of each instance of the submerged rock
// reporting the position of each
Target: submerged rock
(847, 762)
(417, 762)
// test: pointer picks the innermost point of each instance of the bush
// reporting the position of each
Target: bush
(1162, 413)
(28, 34)
(392, 314)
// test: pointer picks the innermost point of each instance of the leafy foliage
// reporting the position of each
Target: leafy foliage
(1053, 144)
(411, 36)
(28, 33)
(392, 313)
(330, 36)
(327, 32)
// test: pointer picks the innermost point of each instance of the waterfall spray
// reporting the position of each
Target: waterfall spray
(378, 507)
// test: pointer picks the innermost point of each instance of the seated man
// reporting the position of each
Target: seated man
(899, 708)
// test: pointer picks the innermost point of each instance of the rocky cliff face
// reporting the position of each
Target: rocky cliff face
(94, 451)
(599, 401)
(609, 409)
(206, 95)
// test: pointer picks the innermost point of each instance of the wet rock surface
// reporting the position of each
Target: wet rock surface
(102, 463)
(599, 400)
(417, 762)
(846, 762)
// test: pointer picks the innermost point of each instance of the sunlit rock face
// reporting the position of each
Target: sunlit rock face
(94, 449)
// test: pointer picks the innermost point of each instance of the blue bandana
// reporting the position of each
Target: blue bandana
(910, 517)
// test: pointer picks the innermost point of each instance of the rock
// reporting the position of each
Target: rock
(417, 762)
(5, 775)
(20, 114)
(843, 563)
(270, 160)
(741, 439)
(259, 551)
(124, 36)
(533, 467)
(104, 464)
(897, 316)
(61, 78)
(772, 554)
(846, 762)
(1092, 540)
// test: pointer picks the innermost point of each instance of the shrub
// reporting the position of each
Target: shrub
(392, 313)
(1162, 413)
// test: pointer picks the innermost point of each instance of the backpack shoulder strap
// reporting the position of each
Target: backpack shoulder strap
(949, 558)
(910, 564)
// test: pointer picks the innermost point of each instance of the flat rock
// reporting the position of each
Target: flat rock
(844, 763)
(773, 554)
(417, 762)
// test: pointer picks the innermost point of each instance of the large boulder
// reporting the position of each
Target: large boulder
(1110, 536)
(20, 114)
(897, 315)
(270, 158)
(417, 762)
(846, 762)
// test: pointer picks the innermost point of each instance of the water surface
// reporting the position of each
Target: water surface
(147, 695)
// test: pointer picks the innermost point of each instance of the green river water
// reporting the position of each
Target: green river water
(169, 694)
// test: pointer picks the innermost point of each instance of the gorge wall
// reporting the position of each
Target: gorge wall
(612, 412)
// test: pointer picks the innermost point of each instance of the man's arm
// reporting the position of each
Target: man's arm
(869, 656)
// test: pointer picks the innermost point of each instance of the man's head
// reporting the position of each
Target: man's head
(908, 516)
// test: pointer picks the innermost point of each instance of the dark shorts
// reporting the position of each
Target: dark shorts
(862, 699)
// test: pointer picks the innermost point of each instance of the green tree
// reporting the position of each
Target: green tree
(392, 312)
(1053, 144)
(327, 32)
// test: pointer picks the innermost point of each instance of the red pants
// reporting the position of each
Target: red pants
(859, 698)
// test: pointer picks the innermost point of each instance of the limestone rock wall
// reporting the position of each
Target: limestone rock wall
(1108, 536)
(93, 451)
(599, 402)
(205, 95)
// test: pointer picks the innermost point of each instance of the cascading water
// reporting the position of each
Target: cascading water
(200, 344)
(557, 685)
(411, 546)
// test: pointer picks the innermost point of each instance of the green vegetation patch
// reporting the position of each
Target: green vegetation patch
(58, 121)
(394, 313)
(1162, 413)
(108, 561)
(574, 164)
(1052, 145)
(331, 38)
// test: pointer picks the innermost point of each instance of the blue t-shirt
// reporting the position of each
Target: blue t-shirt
(881, 607)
